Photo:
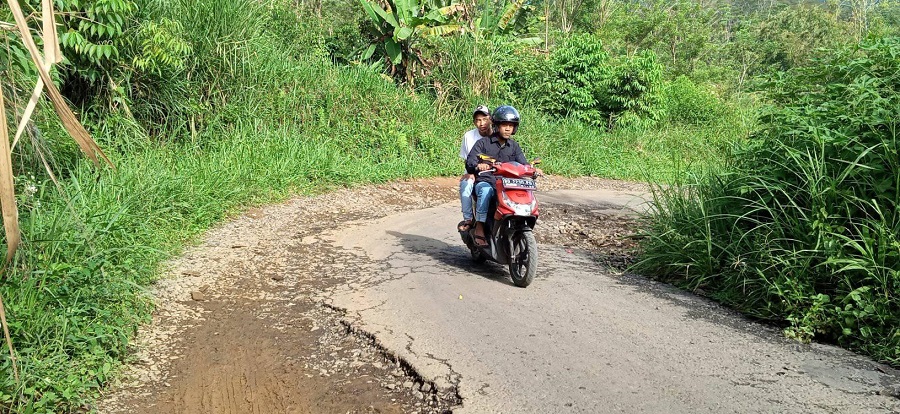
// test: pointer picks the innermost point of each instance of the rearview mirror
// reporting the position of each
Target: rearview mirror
(536, 161)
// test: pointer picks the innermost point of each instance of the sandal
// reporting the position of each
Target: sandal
(464, 225)
(482, 239)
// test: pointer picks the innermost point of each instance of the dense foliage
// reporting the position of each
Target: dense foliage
(805, 227)
(581, 81)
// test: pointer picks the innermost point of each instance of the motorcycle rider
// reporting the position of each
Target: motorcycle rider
(481, 118)
(501, 147)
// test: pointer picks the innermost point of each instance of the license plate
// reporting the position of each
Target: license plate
(522, 183)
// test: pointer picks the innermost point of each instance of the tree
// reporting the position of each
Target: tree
(793, 35)
(400, 24)
(681, 30)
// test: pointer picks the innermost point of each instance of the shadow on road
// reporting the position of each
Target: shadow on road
(452, 255)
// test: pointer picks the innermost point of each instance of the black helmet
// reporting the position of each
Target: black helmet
(505, 113)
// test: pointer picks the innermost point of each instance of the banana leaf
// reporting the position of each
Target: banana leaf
(402, 33)
(394, 51)
(510, 13)
(369, 52)
(378, 15)
(437, 31)
(406, 10)
(440, 15)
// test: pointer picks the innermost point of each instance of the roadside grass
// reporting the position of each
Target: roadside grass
(658, 155)
(78, 289)
(811, 255)
(802, 227)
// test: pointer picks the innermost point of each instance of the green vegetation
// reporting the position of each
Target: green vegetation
(209, 106)
(803, 227)
(579, 80)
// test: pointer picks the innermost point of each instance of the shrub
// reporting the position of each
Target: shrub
(580, 71)
(632, 92)
(524, 74)
(805, 227)
(93, 35)
(688, 103)
(579, 80)
(345, 42)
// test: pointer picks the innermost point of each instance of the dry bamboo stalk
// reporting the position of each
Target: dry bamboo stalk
(69, 121)
(52, 54)
(10, 218)
(12, 354)
(29, 110)
(7, 189)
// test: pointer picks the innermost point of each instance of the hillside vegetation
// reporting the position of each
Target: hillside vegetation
(209, 106)
(804, 227)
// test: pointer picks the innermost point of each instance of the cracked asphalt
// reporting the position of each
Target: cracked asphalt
(365, 300)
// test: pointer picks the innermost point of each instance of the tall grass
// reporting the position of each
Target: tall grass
(464, 72)
(657, 155)
(804, 227)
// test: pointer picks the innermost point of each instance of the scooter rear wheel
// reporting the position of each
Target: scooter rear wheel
(524, 260)
(477, 255)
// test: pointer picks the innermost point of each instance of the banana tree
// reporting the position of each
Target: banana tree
(400, 23)
(503, 16)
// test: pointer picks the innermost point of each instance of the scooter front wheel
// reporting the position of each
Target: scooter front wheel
(524, 259)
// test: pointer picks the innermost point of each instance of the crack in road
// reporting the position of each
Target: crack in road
(257, 341)
(449, 395)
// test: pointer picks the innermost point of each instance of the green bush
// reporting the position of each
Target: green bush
(524, 75)
(580, 73)
(94, 34)
(688, 103)
(632, 92)
(345, 42)
(579, 80)
(804, 228)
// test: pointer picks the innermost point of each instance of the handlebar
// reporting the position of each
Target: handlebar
(493, 170)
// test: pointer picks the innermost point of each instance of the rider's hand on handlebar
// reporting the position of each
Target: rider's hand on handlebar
(484, 167)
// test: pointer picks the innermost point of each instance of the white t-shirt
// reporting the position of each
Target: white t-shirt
(468, 141)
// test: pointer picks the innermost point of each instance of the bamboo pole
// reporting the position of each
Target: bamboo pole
(10, 218)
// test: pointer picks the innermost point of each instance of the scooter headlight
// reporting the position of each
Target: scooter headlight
(517, 208)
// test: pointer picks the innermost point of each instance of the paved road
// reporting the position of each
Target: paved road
(582, 338)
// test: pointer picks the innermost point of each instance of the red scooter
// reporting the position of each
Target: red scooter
(515, 209)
